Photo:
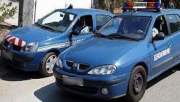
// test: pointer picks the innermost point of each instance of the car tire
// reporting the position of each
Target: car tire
(46, 68)
(137, 84)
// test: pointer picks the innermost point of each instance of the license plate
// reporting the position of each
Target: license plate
(72, 80)
(7, 55)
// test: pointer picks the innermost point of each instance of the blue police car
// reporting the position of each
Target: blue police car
(36, 47)
(130, 50)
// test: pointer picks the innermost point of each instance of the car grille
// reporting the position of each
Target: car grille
(83, 66)
(6, 43)
(69, 64)
(80, 65)
(14, 47)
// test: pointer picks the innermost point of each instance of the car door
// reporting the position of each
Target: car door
(84, 29)
(161, 50)
(100, 20)
(174, 24)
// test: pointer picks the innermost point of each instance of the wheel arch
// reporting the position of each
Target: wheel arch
(130, 95)
(41, 70)
(54, 50)
(144, 66)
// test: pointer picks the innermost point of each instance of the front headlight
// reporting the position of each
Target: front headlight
(31, 47)
(59, 63)
(103, 70)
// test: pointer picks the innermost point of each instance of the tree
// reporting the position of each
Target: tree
(7, 11)
(111, 5)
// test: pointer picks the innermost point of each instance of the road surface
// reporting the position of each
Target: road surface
(19, 86)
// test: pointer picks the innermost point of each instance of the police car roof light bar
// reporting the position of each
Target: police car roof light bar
(141, 5)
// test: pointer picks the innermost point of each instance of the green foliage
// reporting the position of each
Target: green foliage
(7, 11)
(111, 5)
(177, 4)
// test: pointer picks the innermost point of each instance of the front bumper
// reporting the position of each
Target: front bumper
(21, 60)
(93, 85)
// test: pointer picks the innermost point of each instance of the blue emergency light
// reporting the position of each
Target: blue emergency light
(141, 5)
(70, 6)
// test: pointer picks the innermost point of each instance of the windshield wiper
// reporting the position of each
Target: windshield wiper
(38, 24)
(102, 35)
(47, 27)
(118, 36)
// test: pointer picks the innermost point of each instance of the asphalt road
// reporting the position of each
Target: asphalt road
(19, 86)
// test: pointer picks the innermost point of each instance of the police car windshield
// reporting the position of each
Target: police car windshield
(57, 21)
(127, 27)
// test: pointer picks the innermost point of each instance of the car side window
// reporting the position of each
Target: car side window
(84, 25)
(101, 20)
(160, 25)
(174, 22)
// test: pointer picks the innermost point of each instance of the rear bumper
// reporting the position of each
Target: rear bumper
(93, 88)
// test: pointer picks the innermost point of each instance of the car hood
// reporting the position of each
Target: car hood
(99, 51)
(32, 33)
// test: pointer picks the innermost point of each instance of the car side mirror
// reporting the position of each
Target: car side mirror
(95, 31)
(159, 36)
(73, 33)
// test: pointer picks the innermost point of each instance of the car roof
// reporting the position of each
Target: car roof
(152, 13)
(87, 11)
(169, 11)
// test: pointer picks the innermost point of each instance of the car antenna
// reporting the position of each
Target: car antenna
(69, 7)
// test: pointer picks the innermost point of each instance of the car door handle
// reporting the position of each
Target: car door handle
(169, 45)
